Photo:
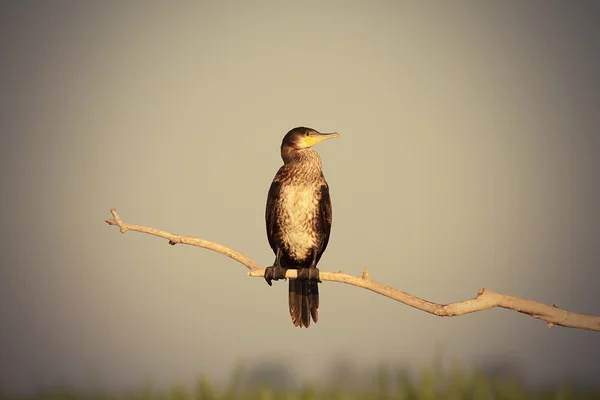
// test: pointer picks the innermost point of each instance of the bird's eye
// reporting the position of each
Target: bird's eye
(307, 133)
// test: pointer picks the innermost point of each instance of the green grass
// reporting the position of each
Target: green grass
(432, 383)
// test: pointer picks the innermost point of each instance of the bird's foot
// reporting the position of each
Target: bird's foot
(309, 274)
(274, 273)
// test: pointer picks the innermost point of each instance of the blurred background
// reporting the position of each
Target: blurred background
(469, 157)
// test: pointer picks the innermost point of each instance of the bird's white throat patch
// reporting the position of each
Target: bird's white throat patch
(298, 212)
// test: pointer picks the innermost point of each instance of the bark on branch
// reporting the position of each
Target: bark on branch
(484, 300)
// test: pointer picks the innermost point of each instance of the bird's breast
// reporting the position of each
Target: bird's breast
(297, 216)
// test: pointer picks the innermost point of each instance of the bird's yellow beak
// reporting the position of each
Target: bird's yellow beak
(316, 138)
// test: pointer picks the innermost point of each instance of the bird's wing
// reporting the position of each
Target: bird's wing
(325, 215)
(271, 213)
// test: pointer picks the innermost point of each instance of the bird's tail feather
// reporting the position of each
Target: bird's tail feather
(303, 302)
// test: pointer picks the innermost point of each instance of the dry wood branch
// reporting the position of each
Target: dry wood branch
(484, 300)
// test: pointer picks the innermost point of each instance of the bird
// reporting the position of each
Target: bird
(298, 220)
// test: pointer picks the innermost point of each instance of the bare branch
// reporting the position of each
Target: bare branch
(484, 300)
(174, 239)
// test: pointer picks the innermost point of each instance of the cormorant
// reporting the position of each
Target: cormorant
(298, 218)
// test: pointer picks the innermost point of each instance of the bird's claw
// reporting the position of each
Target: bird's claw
(274, 273)
(309, 274)
(269, 275)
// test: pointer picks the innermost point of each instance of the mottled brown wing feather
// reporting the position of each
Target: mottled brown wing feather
(325, 217)
(271, 214)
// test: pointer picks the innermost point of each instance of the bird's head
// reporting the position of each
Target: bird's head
(303, 138)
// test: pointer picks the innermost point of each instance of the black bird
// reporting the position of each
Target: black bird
(298, 218)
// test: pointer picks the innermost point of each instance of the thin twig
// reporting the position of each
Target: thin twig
(484, 300)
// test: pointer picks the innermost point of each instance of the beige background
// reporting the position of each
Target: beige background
(468, 157)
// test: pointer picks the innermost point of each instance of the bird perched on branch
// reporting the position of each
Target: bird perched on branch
(298, 218)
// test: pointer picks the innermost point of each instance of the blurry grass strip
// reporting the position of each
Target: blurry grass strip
(383, 382)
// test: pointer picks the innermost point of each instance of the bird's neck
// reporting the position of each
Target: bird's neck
(305, 161)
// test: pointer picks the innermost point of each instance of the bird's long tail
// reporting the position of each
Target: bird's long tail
(304, 302)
